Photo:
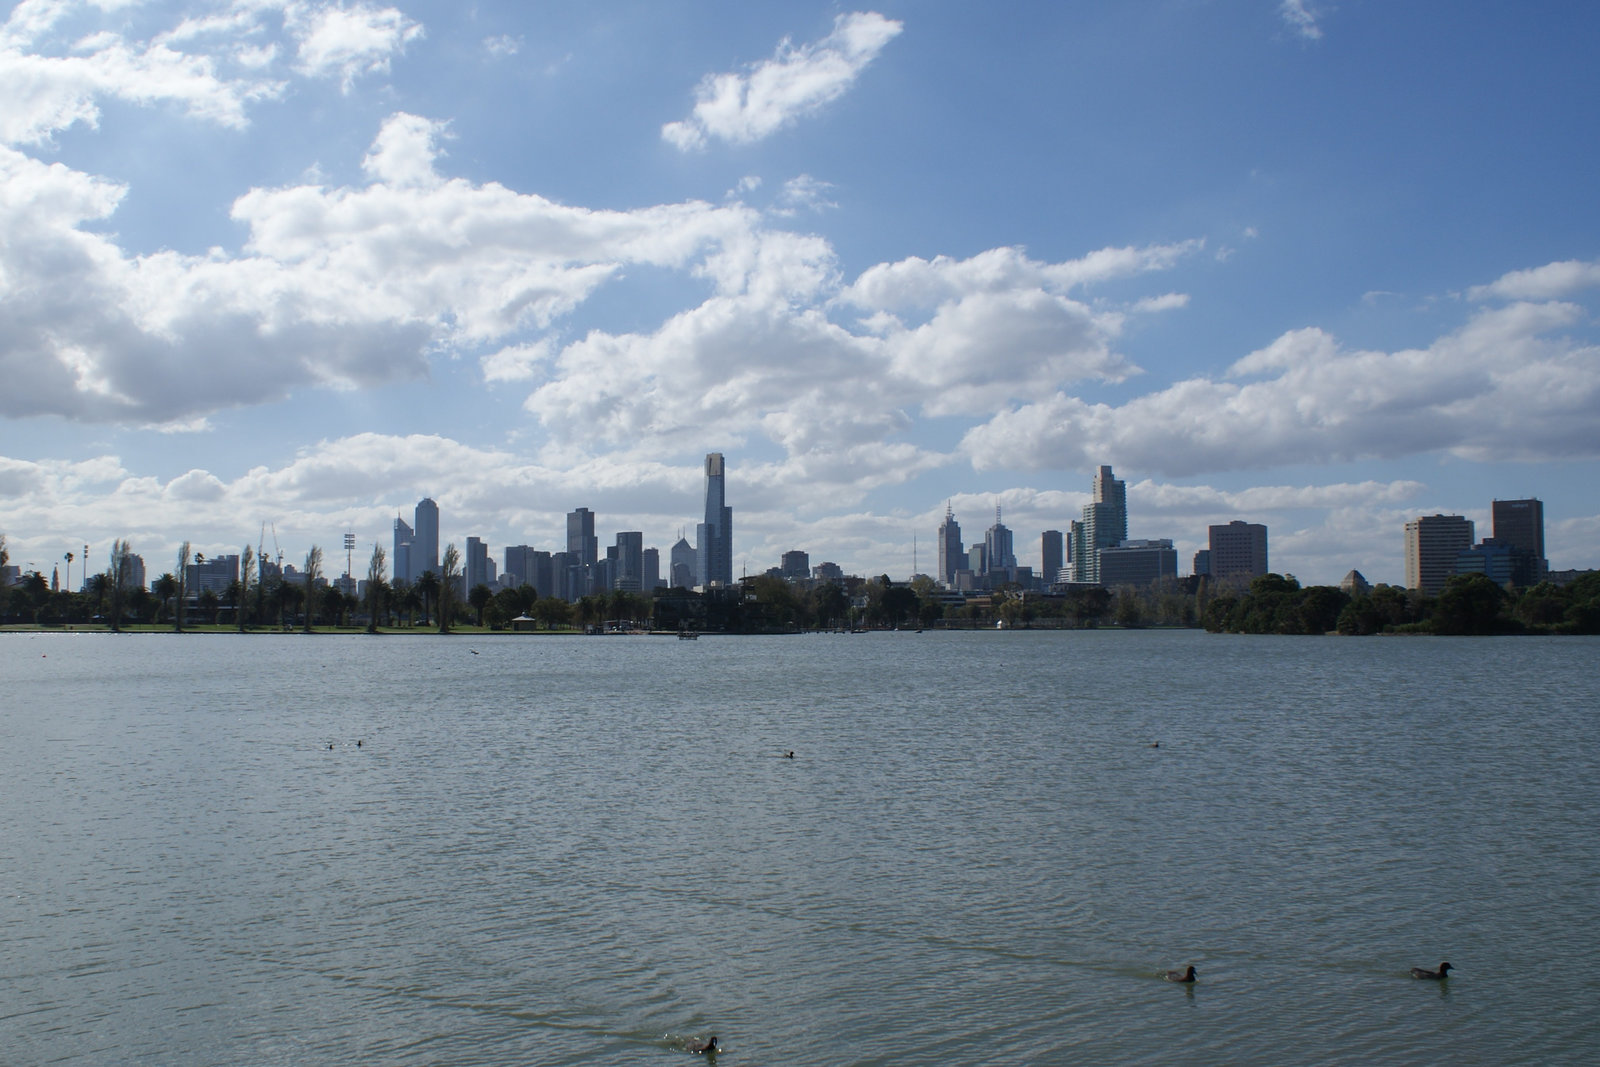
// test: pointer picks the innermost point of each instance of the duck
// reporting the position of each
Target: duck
(1436, 976)
(1181, 976)
(706, 1047)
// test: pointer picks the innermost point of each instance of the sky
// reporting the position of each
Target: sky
(273, 270)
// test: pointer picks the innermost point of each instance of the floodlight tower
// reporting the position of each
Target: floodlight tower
(349, 549)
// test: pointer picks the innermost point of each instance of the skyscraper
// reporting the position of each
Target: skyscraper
(681, 565)
(425, 543)
(999, 554)
(1238, 550)
(1520, 524)
(1050, 556)
(401, 563)
(477, 563)
(1433, 543)
(581, 541)
(1104, 525)
(952, 557)
(629, 573)
(714, 537)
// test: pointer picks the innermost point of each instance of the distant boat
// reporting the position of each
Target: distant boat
(688, 635)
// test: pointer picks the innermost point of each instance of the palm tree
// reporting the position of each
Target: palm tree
(208, 605)
(428, 586)
(479, 599)
(166, 589)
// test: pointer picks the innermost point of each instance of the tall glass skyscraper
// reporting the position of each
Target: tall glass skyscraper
(714, 537)
(425, 544)
(401, 563)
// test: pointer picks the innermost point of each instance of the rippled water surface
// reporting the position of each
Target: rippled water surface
(560, 850)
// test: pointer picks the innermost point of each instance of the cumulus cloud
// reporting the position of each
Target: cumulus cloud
(341, 286)
(334, 40)
(1508, 385)
(1553, 281)
(747, 106)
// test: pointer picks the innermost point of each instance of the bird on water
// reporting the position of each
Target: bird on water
(1437, 976)
(1181, 976)
(708, 1046)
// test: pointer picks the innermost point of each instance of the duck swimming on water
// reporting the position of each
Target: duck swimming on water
(1181, 976)
(708, 1046)
(1437, 976)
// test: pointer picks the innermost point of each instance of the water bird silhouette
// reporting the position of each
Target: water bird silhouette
(1436, 976)
(1181, 976)
(708, 1047)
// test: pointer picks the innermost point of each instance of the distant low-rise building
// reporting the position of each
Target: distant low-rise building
(1140, 563)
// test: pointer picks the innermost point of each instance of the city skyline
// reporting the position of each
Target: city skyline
(303, 265)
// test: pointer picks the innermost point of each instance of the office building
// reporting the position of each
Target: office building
(1104, 525)
(1433, 544)
(214, 574)
(681, 565)
(1051, 556)
(1202, 562)
(628, 572)
(425, 543)
(796, 564)
(1519, 525)
(1238, 550)
(828, 572)
(1493, 558)
(1138, 563)
(714, 536)
(998, 553)
(400, 564)
(652, 569)
(477, 564)
(582, 544)
(951, 556)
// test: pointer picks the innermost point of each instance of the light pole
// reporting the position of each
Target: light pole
(349, 559)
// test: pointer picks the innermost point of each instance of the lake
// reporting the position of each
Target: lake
(563, 850)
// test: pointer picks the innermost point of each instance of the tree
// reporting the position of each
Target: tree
(552, 611)
(6, 556)
(117, 578)
(209, 605)
(1469, 604)
(313, 572)
(451, 565)
(247, 569)
(166, 589)
(427, 586)
(375, 571)
(182, 580)
(479, 598)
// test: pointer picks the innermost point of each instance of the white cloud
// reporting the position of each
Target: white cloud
(502, 45)
(804, 193)
(340, 286)
(1301, 17)
(1506, 386)
(1553, 281)
(348, 41)
(797, 81)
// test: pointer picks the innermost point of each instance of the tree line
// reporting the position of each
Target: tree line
(1469, 604)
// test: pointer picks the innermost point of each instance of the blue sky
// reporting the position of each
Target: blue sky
(1326, 266)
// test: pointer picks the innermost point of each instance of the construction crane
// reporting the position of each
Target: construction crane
(275, 546)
